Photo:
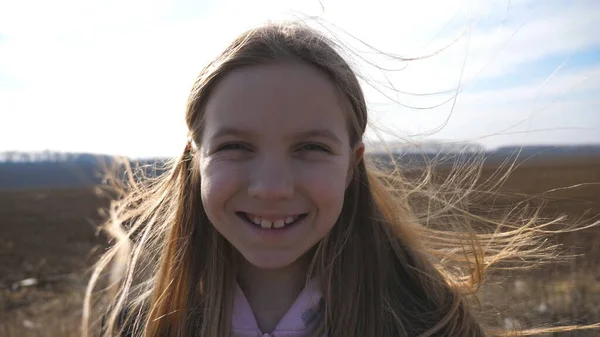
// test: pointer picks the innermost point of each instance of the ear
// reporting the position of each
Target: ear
(357, 155)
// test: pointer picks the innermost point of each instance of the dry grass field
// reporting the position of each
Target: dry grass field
(48, 240)
(559, 293)
(49, 236)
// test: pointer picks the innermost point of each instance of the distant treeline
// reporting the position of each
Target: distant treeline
(20, 170)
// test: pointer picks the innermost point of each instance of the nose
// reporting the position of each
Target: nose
(272, 180)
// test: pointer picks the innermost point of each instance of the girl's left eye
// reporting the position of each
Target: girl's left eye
(314, 147)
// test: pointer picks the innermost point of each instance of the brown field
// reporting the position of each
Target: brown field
(51, 236)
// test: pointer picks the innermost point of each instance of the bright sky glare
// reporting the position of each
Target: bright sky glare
(113, 76)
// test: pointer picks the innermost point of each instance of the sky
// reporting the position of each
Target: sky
(113, 76)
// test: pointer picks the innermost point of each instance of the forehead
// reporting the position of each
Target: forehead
(275, 98)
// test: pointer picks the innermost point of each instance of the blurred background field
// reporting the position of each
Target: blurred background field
(49, 239)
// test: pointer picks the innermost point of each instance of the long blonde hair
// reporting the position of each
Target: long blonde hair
(403, 259)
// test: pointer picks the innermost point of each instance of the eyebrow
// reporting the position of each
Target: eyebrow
(318, 133)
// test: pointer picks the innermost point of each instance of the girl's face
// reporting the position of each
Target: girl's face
(275, 160)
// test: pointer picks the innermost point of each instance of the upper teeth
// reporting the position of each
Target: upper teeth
(264, 223)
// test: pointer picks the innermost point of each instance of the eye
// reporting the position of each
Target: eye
(314, 147)
(233, 147)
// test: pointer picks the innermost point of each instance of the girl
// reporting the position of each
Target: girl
(273, 223)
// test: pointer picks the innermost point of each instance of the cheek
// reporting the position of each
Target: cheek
(218, 183)
(326, 187)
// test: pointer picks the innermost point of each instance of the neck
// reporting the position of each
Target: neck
(271, 292)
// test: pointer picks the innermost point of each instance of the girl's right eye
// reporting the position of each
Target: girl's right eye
(233, 146)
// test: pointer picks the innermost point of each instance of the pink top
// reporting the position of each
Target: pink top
(301, 320)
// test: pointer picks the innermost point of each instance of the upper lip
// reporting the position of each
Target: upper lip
(273, 215)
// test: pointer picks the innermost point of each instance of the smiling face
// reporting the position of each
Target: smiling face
(275, 160)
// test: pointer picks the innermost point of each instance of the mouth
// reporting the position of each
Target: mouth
(271, 223)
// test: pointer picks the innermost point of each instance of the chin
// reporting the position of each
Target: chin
(270, 260)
